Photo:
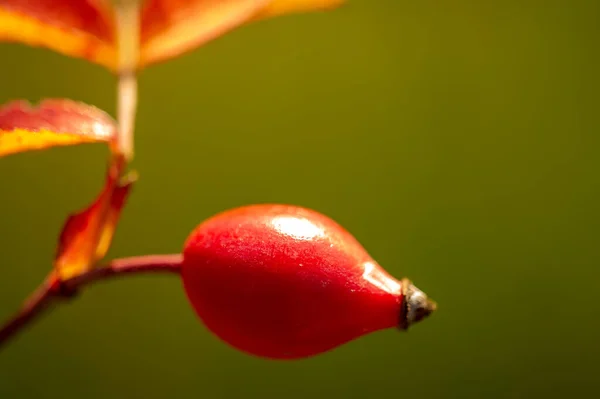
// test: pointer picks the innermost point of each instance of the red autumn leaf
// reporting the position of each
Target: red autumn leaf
(78, 28)
(171, 28)
(52, 123)
(87, 28)
(87, 235)
(281, 7)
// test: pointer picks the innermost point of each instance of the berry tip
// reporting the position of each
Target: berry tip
(416, 306)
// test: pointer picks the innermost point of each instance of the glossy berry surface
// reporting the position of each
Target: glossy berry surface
(286, 282)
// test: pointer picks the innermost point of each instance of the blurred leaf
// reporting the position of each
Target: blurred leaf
(281, 7)
(171, 28)
(87, 235)
(52, 123)
(87, 28)
(77, 28)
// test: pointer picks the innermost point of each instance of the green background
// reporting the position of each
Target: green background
(458, 140)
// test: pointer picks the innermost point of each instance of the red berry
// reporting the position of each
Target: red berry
(286, 282)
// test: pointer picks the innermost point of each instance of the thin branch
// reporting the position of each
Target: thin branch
(53, 290)
(128, 35)
(33, 306)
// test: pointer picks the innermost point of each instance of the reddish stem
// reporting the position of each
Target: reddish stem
(53, 290)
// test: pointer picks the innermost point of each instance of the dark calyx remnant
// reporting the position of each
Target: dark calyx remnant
(415, 305)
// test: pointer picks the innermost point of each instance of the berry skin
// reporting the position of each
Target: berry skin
(285, 282)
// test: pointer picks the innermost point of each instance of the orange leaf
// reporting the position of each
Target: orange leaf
(173, 27)
(281, 7)
(87, 28)
(52, 123)
(77, 28)
(87, 235)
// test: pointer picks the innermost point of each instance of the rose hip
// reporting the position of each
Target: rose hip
(286, 282)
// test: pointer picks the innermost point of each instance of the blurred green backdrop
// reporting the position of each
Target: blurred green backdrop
(458, 140)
